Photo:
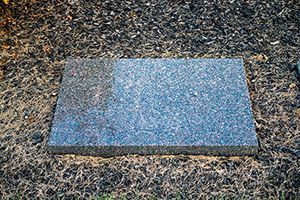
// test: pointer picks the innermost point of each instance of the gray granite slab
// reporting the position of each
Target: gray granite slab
(153, 106)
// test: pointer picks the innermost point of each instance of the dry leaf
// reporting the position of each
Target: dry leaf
(5, 46)
(47, 49)
(248, 80)
(292, 85)
(298, 112)
(132, 15)
(1, 73)
(117, 18)
(69, 17)
(2, 33)
(15, 55)
(261, 57)
(31, 119)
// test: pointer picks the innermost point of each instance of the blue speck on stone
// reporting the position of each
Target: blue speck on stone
(110, 107)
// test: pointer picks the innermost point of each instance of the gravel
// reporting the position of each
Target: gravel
(36, 38)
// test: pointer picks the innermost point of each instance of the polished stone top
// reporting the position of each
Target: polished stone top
(153, 106)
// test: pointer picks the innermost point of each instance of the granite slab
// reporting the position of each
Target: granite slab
(110, 107)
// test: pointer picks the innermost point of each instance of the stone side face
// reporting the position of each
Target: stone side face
(153, 106)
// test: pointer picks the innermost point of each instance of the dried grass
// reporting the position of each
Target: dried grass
(41, 35)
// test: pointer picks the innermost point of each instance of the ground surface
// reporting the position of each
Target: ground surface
(38, 36)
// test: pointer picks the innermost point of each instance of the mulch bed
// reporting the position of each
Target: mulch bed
(36, 38)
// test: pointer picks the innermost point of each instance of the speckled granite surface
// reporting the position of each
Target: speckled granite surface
(153, 106)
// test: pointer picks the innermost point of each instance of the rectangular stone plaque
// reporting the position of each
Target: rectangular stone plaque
(153, 106)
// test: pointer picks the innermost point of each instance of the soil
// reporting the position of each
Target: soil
(37, 37)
